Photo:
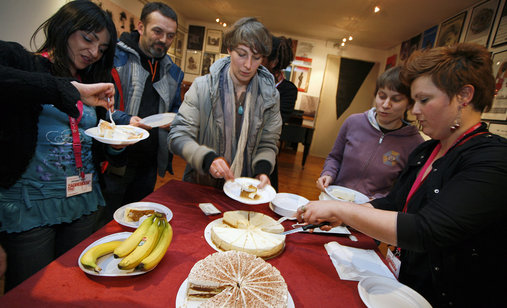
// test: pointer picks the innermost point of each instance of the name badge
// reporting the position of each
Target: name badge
(77, 185)
(393, 262)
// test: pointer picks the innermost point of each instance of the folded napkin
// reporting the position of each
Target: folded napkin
(355, 263)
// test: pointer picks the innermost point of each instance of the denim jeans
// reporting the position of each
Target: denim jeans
(30, 251)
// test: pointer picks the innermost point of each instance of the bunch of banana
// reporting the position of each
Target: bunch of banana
(89, 259)
(133, 240)
(159, 251)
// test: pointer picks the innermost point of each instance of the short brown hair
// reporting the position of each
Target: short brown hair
(453, 67)
(391, 80)
(250, 32)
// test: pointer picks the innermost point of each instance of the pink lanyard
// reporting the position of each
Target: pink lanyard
(76, 141)
(421, 177)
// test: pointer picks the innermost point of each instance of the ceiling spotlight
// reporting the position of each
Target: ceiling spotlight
(224, 24)
(218, 19)
(350, 38)
(376, 9)
(343, 44)
(344, 40)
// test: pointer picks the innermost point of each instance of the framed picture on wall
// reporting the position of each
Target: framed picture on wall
(178, 43)
(207, 60)
(195, 37)
(450, 30)
(481, 22)
(193, 62)
(429, 36)
(301, 77)
(501, 29)
(499, 108)
(213, 41)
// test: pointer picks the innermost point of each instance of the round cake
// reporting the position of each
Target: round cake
(236, 279)
(251, 232)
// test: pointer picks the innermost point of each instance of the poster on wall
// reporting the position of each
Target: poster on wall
(301, 77)
(303, 53)
(391, 62)
(193, 62)
(195, 37)
(501, 30)
(481, 22)
(499, 108)
(429, 36)
(450, 30)
(213, 41)
(207, 60)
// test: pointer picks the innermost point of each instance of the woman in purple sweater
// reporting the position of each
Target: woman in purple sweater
(373, 147)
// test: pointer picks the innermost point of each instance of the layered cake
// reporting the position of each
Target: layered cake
(249, 192)
(251, 232)
(236, 279)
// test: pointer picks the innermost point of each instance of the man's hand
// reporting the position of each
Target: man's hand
(264, 180)
(220, 169)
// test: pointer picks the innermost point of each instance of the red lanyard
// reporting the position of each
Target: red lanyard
(421, 176)
(153, 70)
(76, 141)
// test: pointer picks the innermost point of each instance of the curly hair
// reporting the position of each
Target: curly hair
(281, 51)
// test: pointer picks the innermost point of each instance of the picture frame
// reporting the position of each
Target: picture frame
(195, 37)
(390, 62)
(429, 36)
(207, 59)
(450, 30)
(500, 37)
(499, 107)
(301, 77)
(213, 41)
(498, 128)
(180, 37)
(481, 22)
(193, 62)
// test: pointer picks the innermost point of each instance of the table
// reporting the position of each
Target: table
(310, 275)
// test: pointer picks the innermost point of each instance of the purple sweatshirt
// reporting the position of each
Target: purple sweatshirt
(365, 159)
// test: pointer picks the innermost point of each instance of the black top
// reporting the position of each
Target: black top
(451, 237)
(288, 95)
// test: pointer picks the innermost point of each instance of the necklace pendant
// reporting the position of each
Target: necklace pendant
(240, 110)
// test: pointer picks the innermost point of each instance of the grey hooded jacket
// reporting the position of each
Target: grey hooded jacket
(198, 129)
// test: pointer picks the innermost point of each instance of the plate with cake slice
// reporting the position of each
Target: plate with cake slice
(245, 191)
(131, 215)
(107, 133)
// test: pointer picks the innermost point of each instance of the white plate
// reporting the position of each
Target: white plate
(160, 119)
(182, 302)
(285, 204)
(94, 133)
(108, 263)
(359, 197)
(380, 292)
(233, 189)
(207, 233)
(119, 214)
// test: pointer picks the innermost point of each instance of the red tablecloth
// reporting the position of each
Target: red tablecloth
(305, 265)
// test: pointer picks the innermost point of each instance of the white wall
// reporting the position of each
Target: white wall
(20, 18)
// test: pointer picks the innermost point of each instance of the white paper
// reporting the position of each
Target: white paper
(355, 263)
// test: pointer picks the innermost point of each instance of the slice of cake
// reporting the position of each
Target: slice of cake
(251, 232)
(249, 192)
(236, 279)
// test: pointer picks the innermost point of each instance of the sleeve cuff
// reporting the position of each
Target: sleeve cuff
(208, 160)
(262, 167)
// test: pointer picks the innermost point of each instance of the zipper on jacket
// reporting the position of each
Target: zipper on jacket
(381, 138)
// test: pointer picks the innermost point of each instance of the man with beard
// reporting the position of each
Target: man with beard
(150, 84)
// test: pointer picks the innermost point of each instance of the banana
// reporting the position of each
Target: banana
(133, 240)
(144, 248)
(159, 251)
(89, 259)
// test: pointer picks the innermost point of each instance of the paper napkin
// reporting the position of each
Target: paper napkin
(355, 263)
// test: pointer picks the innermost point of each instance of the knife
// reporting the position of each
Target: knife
(306, 227)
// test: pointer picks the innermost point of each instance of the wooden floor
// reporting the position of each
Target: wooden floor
(292, 177)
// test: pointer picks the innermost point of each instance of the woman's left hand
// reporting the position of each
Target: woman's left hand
(96, 94)
(264, 180)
